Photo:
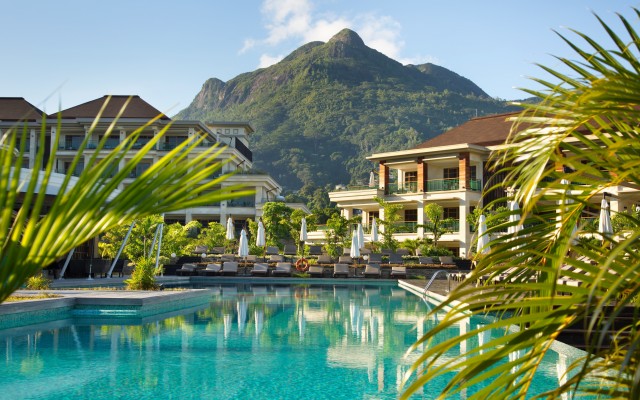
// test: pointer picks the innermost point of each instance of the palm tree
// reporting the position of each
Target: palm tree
(563, 154)
(90, 205)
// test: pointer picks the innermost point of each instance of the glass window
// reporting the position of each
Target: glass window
(411, 215)
(227, 131)
(474, 174)
(411, 176)
(452, 212)
(451, 173)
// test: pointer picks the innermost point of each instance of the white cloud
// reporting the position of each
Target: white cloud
(419, 60)
(267, 60)
(299, 21)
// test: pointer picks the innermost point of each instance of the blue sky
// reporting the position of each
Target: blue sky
(58, 54)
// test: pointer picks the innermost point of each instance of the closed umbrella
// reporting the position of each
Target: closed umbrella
(374, 231)
(372, 179)
(230, 230)
(483, 238)
(604, 223)
(260, 237)
(243, 247)
(514, 217)
(303, 230)
(355, 246)
(360, 237)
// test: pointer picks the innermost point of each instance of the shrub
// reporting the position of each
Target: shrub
(143, 275)
(38, 282)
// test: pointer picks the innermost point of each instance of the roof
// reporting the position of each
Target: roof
(18, 109)
(137, 108)
(483, 131)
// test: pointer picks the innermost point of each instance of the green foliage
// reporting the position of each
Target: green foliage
(337, 234)
(586, 126)
(143, 275)
(335, 106)
(38, 282)
(435, 222)
(87, 205)
(275, 216)
(214, 235)
(430, 250)
(411, 244)
(391, 218)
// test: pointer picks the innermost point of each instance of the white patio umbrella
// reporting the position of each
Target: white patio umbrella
(374, 231)
(260, 236)
(360, 237)
(514, 226)
(259, 318)
(604, 223)
(372, 179)
(243, 246)
(355, 246)
(242, 314)
(303, 230)
(483, 238)
(230, 230)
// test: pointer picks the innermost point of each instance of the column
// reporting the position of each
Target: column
(422, 175)
(464, 170)
(54, 139)
(420, 204)
(384, 177)
(347, 213)
(33, 147)
(463, 232)
(122, 137)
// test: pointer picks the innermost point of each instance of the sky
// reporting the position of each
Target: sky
(58, 54)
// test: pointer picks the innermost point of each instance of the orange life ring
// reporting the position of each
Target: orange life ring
(302, 265)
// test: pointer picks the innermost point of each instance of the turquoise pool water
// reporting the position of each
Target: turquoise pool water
(250, 342)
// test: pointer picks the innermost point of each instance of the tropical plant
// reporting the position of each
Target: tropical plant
(389, 222)
(213, 235)
(563, 153)
(38, 282)
(143, 276)
(436, 223)
(91, 204)
(337, 233)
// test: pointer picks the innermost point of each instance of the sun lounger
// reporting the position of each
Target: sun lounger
(316, 270)
(426, 260)
(260, 269)
(372, 271)
(290, 250)
(324, 259)
(227, 257)
(341, 270)
(315, 250)
(200, 249)
(398, 272)
(395, 258)
(186, 270)
(210, 269)
(345, 260)
(229, 268)
(271, 250)
(276, 258)
(282, 269)
(446, 261)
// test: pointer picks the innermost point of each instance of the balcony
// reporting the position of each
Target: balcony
(452, 226)
(475, 185)
(406, 226)
(407, 187)
(241, 203)
(244, 150)
(441, 185)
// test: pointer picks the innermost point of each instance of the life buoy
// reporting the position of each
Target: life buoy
(302, 265)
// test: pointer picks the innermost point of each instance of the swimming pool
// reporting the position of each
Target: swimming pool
(250, 342)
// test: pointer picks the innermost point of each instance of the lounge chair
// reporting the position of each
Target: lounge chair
(271, 250)
(375, 258)
(282, 269)
(251, 258)
(186, 270)
(200, 249)
(345, 260)
(395, 258)
(399, 272)
(426, 260)
(324, 259)
(372, 271)
(316, 270)
(447, 261)
(260, 269)
(210, 269)
(290, 250)
(403, 252)
(276, 258)
(315, 250)
(346, 251)
(217, 250)
(229, 268)
(227, 257)
(340, 270)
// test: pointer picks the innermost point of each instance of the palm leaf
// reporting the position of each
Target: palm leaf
(91, 204)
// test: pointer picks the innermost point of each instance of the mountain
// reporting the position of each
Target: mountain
(326, 106)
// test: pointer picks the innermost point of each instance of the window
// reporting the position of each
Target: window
(474, 174)
(235, 131)
(372, 215)
(227, 131)
(411, 215)
(451, 173)
(411, 176)
(452, 212)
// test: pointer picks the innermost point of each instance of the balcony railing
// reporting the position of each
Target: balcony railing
(407, 187)
(441, 185)
(406, 226)
(244, 150)
(475, 184)
(241, 203)
(452, 226)
(354, 187)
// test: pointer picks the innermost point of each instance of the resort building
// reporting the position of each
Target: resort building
(70, 127)
(450, 170)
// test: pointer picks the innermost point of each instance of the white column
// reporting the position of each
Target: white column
(420, 205)
(122, 137)
(347, 213)
(33, 145)
(54, 135)
(463, 232)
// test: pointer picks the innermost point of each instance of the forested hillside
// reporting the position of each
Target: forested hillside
(319, 112)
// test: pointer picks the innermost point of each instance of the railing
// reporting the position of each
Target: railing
(475, 184)
(354, 187)
(139, 170)
(241, 203)
(406, 226)
(441, 185)
(407, 187)
(244, 150)
(452, 226)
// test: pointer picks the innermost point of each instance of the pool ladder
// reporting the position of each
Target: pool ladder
(433, 277)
